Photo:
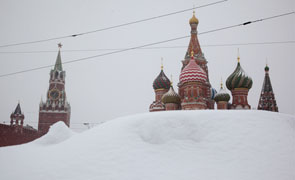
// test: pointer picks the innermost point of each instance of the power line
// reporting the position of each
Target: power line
(146, 45)
(111, 27)
(150, 48)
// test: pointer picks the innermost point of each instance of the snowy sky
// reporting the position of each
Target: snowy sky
(120, 84)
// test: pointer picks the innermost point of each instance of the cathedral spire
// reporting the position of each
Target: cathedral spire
(267, 99)
(194, 44)
(58, 64)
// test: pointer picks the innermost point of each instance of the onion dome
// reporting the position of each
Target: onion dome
(222, 95)
(161, 82)
(213, 93)
(194, 20)
(171, 97)
(192, 72)
(266, 69)
(239, 79)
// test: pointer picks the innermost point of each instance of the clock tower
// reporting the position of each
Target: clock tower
(56, 107)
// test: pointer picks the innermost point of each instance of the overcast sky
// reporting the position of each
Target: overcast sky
(121, 84)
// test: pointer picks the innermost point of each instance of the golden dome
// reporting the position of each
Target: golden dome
(194, 20)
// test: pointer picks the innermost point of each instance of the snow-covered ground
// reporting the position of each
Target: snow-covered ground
(178, 145)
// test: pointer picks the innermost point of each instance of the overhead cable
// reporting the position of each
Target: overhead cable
(150, 48)
(111, 27)
(146, 45)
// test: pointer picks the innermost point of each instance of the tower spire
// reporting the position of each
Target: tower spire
(58, 64)
(267, 99)
(18, 109)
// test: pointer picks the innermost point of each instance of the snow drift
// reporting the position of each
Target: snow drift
(178, 145)
(57, 133)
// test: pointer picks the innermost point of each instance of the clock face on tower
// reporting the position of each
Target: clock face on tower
(54, 94)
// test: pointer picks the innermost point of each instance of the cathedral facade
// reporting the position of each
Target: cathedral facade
(194, 88)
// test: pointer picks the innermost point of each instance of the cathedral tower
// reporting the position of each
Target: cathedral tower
(239, 84)
(198, 56)
(161, 85)
(193, 89)
(56, 107)
(267, 99)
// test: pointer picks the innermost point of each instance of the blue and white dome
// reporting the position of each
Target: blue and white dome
(213, 92)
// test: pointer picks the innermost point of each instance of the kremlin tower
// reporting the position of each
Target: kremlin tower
(56, 107)
(161, 85)
(267, 99)
(239, 84)
(17, 118)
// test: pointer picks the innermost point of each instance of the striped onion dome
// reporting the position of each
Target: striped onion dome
(222, 95)
(192, 73)
(171, 97)
(239, 79)
(161, 82)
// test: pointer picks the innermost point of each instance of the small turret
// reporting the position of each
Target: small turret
(17, 117)
(222, 98)
(171, 99)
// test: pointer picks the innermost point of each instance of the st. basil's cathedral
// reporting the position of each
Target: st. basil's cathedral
(194, 88)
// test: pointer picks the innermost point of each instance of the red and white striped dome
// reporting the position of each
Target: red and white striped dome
(192, 73)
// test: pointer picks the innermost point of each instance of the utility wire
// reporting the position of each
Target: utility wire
(148, 48)
(111, 27)
(146, 45)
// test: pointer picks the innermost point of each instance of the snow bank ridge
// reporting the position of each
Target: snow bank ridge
(57, 133)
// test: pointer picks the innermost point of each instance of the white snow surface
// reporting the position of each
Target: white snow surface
(176, 145)
(58, 132)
